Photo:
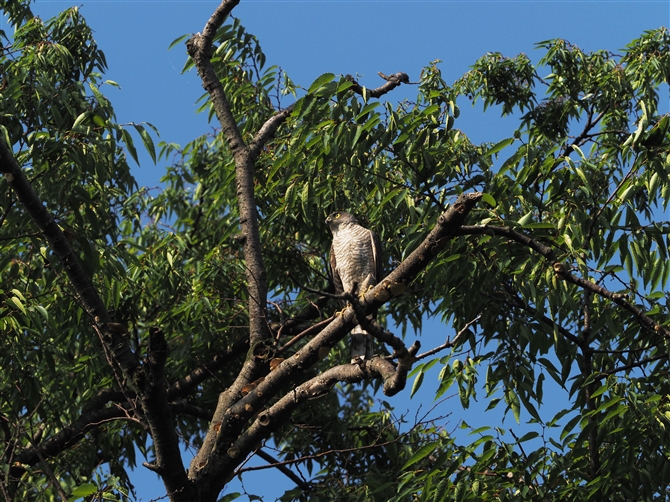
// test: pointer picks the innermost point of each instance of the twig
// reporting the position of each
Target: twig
(627, 367)
(273, 462)
(307, 332)
(450, 343)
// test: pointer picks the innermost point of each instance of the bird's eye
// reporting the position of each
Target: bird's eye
(337, 215)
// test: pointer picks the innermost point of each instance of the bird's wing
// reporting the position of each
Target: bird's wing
(337, 280)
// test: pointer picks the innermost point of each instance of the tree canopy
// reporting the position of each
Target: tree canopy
(203, 316)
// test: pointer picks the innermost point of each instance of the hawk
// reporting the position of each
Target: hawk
(355, 259)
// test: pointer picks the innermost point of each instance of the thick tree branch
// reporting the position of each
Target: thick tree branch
(154, 400)
(561, 271)
(200, 49)
(276, 415)
(111, 335)
(216, 20)
(94, 414)
(213, 466)
(81, 283)
(447, 226)
(150, 391)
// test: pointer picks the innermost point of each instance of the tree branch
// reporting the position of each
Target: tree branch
(273, 462)
(183, 386)
(277, 414)
(392, 81)
(375, 329)
(590, 124)
(631, 366)
(214, 465)
(307, 332)
(83, 287)
(150, 391)
(268, 130)
(465, 330)
(69, 436)
(216, 20)
(561, 271)
(447, 226)
(200, 49)
(549, 322)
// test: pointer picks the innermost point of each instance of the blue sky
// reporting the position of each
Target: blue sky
(308, 38)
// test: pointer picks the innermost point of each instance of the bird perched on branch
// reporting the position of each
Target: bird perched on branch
(355, 259)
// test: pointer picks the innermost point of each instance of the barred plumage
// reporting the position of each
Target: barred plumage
(355, 259)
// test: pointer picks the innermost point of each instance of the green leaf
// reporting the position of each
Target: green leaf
(528, 436)
(344, 85)
(527, 218)
(230, 497)
(512, 400)
(83, 491)
(488, 198)
(179, 40)
(98, 120)
(601, 390)
(578, 150)
(18, 294)
(417, 383)
(422, 453)
(320, 82)
(128, 140)
(367, 109)
(498, 147)
(43, 312)
(17, 303)
(146, 139)
(98, 95)
(80, 120)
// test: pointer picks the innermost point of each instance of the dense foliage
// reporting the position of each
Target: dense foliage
(560, 272)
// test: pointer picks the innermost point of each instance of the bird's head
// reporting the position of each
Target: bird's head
(339, 218)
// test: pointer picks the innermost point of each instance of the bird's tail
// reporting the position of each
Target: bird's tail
(362, 345)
